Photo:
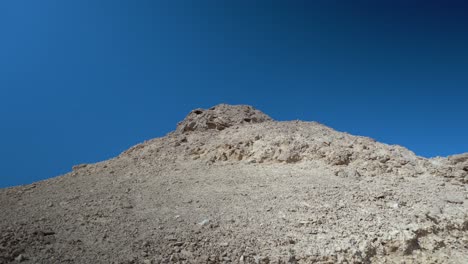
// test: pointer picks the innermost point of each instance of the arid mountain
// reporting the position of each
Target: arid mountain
(231, 185)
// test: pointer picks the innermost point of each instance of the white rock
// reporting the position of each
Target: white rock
(204, 222)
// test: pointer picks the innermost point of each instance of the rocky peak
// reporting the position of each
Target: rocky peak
(220, 117)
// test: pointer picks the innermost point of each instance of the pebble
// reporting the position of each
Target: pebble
(178, 244)
(20, 258)
(171, 238)
(173, 258)
(186, 253)
(454, 200)
(261, 260)
(204, 222)
(292, 259)
(127, 206)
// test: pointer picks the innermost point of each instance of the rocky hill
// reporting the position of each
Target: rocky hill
(231, 185)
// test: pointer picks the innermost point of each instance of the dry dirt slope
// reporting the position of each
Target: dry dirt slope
(231, 185)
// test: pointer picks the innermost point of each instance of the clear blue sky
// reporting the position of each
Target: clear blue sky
(81, 81)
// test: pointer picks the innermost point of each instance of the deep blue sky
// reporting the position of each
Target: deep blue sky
(81, 81)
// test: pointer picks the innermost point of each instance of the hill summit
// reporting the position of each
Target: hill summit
(232, 185)
(220, 117)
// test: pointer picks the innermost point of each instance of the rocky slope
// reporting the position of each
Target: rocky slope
(231, 185)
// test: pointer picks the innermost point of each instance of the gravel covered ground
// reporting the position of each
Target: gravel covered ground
(230, 185)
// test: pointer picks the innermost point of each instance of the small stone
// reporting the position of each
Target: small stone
(187, 254)
(292, 259)
(380, 196)
(173, 258)
(204, 222)
(80, 166)
(224, 244)
(171, 238)
(453, 199)
(178, 244)
(20, 258)
(203, 258)
(127, 206)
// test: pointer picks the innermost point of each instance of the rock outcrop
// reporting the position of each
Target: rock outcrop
(220, 117)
